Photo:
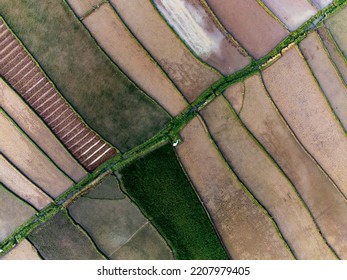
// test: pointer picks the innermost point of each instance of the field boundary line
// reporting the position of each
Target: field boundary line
(27, 178)
(200, 61)
(303, 147)
(338, 72)
(66, 212)
(151, 57)
(338, 49)
(131, 237)
(287, 177)
(319, 167)
(20, 200)
(248, 193)
(223, 30)
(147, 216)
(92, 10)
(201, 201)
(334, 114)
(43, 123)
(275, 164)
(22, 132)
(272, 14)
(116, 68)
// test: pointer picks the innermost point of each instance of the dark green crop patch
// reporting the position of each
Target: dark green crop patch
(160, 188)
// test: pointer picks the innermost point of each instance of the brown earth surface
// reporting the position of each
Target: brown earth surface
(334, 51)
(23, 251)
(250, 24)
(114, 38)
(21, 186)
(326, 204)
(246, 231)
(38, 132)
(326, 74)
(30, 160)
(190, 75)
(235, 95)
(301, 102)
(265, 181)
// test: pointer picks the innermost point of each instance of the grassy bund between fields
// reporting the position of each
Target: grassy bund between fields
(133, 161)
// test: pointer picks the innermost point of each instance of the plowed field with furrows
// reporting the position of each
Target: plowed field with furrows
(25, 76)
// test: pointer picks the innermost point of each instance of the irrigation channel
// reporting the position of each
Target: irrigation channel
(171, 132)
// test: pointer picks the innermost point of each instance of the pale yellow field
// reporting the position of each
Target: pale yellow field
(19, 184)
(29, 160)
(265, 180)
(127, 53)
(326, 75)
(36, 129)
(302, 104)
(190, 75)
(245, 230)
(326, 204)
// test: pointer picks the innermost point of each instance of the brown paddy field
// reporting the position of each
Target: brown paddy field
(334, 52)
(292, 13)
(302, 104)
(326, 74)
(60, 239)
(13, 212)
(190, 75)
(265, 180)
(23, 251)
(246, 231)
(36, 129)
(201, 31)
(116, 40)
(249, 24)
(326, 204)
(337, 25)
(83, 7)
(21, 186)
(30, 160)
(235, 95)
